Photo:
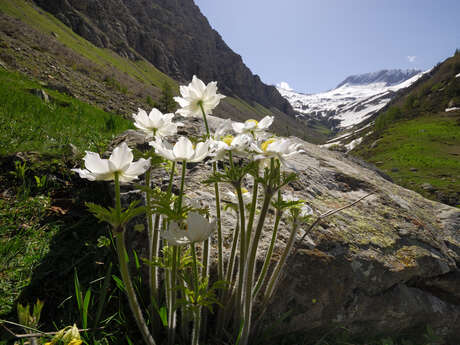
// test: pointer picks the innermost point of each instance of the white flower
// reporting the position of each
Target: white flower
(238, 144)
(175, 235)
(277, 148)
(120, 162)
(247, 198)
(197, 229)
(253, 126)
(155, 123)
(183, 150)
(220, 132)
(197, 94)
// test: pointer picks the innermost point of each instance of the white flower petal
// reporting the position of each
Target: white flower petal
(265, 122)
(95, 164)
(183, 150)
(85, 174)
(136, 168)
(121, 157)
(201, 152)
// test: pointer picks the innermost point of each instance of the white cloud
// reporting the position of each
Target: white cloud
(411, 58)
(284, 85)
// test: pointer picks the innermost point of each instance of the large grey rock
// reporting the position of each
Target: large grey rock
(386, 265)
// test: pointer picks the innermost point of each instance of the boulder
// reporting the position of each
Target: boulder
(386, 265)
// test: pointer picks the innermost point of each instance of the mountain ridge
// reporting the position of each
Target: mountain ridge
(354, 100)
(174, 36)
(388, 76)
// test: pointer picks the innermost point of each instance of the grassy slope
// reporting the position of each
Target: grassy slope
(424, 138)
(29, 124)
(45, 22)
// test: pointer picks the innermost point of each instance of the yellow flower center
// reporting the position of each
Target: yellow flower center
(265, 144)
(228, 139)
(252, 121)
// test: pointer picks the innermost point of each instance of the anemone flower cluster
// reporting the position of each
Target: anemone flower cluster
(176, 228)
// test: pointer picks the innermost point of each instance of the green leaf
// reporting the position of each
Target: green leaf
(78, 293)
(163, 312)
(85, 308)
(136, 260)
(119, 282)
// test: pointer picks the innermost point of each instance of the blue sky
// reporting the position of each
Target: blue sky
(315, 44)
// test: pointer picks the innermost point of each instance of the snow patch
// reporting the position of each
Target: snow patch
(352, 144)
(284, 85)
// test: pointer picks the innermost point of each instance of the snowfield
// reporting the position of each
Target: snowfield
(354, 100)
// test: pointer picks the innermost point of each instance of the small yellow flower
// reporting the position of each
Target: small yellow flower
(75, 342)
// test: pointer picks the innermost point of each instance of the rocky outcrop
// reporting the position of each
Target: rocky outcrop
(386, 265)
(173, 35)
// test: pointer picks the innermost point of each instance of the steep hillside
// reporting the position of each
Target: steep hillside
(173, 35)
(416, 138)
(37, 44)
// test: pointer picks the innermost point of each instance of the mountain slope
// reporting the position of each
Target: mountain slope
(416, 138)
(173, 35)
(354, 100)
(37, 44)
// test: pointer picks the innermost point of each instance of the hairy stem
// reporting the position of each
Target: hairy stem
(249, 271)
(269, 254)
(124, 271)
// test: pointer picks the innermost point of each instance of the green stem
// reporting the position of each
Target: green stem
(243, 254)
(130, 293)
(172, 296)
(182, 183)
(276, 272)
(151, 230)
(196, 327)
(249, 272)
(252, 212)
(171, 178)
(269, 254)
(197, 313)
(124, 271)
(205, 120)
(220, 261)
(117, 198)
(229, 278)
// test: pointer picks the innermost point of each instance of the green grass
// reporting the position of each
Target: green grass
(430, 144)
(27, 123)
(246, 108)
(24, 242)
(45, 22)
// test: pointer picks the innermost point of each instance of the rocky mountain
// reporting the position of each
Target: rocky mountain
(354, 100)
(173, 35)
(387, 77)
